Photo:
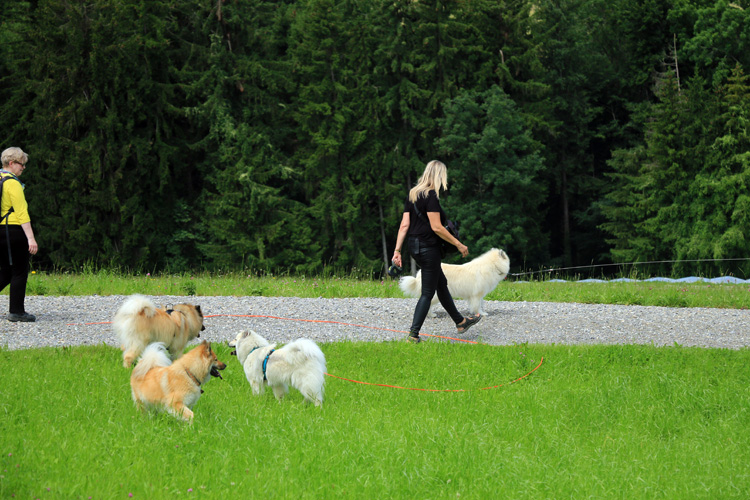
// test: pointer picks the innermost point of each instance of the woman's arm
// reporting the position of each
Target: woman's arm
(402, 230)
(443, 233)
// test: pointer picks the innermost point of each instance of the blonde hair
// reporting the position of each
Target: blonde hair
(435, 177)
(14, 154)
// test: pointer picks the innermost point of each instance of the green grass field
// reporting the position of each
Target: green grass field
(590, 422)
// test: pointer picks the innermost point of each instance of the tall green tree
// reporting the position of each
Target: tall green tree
(494, 171)
(254, 215)
(652, 201)
(15, 59)
(110, 164)
(720, 39)
(578, 73)
(333, 111)
(720, 205)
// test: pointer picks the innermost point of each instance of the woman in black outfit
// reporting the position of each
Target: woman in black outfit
(423, 233)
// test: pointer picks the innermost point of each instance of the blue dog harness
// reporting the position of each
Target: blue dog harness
(265, 361)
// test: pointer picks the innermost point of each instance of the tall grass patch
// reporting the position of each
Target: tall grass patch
(592, 421)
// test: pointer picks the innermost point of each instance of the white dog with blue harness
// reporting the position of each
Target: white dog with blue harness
(300, 364)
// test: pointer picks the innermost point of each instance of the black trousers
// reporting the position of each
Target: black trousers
(433, 281)
(17, 274)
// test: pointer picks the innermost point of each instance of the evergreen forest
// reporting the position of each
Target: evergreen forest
(283, 135)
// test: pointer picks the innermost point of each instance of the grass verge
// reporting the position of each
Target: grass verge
(592, 421)
(234, 284)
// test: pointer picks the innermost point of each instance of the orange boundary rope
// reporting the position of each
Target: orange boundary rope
(360, 326)
(302, 319)
(440, 390)
(335, 323)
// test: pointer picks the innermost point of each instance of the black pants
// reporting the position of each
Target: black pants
(433, 281)
(17, 274)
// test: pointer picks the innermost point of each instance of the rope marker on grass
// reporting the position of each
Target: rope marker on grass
(361, 326)
(440, 390)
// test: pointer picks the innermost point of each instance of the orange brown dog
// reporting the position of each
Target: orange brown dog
(139, 322)
(158, 382)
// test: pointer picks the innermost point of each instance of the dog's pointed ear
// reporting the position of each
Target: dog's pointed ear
(198, 308)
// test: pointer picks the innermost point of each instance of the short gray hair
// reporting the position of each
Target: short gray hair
(14, 154)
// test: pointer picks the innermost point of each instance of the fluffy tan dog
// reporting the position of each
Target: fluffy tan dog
(470, 281)
(158, 382)
(139, 322)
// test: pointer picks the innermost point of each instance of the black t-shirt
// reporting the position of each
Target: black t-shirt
(420, 226)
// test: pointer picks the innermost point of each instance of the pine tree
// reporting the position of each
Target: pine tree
(720, 207)
(254, 215)
(494, 167)
(102, 131)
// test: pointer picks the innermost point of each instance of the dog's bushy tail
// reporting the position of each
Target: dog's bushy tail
(155, 355)
(302, 350)
(308, 376)
(127, 315)
(411, 286)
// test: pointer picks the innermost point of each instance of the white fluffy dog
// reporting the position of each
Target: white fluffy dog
(300, 364)
(470, 281)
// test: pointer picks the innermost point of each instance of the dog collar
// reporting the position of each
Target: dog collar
(265, 363)
(195, 379)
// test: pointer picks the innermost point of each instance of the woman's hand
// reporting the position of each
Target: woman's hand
(463, 249)
(396, 259)
(33, 247)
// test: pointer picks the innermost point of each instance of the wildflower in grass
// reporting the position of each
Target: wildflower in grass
(190, 490)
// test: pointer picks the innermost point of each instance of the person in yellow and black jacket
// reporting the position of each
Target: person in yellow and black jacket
(16, 236)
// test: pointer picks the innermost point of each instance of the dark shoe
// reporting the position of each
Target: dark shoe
(414, 339)
(468, 323)
(25, 317)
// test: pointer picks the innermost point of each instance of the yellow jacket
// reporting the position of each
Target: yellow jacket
(13, 197)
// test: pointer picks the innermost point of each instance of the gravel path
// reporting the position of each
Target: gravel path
(85, 320)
